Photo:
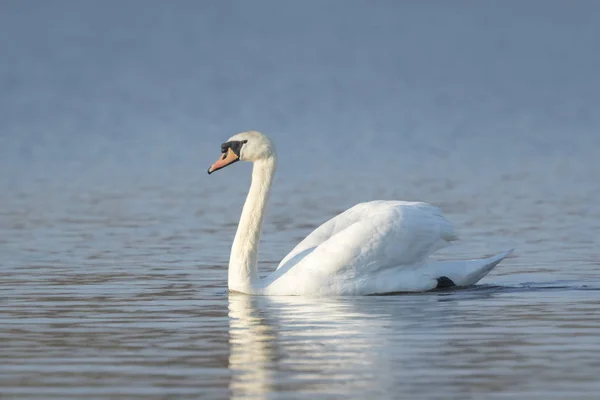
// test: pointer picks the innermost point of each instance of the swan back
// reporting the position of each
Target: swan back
(352, 253)
(414, 215)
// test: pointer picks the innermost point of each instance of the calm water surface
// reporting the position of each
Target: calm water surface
(114, 242)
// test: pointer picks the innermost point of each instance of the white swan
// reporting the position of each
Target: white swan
(372, 248)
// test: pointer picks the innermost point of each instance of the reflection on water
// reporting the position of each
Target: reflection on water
(253, 349)
(319, 346)
(161, 339)
(488, 339)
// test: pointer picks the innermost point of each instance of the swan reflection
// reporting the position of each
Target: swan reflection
(326, 346)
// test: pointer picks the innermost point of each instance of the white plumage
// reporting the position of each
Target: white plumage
(372, 248)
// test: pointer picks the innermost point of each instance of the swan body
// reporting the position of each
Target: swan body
(375, 247)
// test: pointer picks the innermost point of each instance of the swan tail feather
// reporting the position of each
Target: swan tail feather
(467, 273)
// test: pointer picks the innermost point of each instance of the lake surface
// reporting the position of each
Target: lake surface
(114, 242)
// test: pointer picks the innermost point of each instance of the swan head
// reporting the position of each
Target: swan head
(245, 146)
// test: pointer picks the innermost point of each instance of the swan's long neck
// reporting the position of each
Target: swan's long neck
(243, 263)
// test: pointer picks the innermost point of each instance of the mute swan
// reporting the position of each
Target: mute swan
(372, 248)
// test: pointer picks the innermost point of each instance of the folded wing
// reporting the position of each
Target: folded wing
(368, 238)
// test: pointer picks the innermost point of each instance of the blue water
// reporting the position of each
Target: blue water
(114, 242)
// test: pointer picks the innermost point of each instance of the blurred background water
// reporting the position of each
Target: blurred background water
(114, 242)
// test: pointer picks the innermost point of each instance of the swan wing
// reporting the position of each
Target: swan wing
(329, 229)
(377, 237)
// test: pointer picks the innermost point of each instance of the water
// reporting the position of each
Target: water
(114, 242)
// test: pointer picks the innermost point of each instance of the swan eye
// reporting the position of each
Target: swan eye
(234, 145)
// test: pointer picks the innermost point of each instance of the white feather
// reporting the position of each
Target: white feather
(372, 248)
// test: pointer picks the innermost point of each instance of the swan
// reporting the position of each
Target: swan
(376, 247)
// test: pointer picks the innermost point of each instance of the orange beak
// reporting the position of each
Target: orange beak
(226, 159)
